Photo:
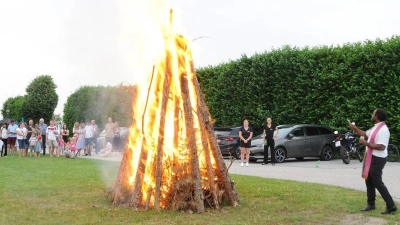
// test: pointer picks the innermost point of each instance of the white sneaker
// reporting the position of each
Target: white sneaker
(247, 164)
(241, 164)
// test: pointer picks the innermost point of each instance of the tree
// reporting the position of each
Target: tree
(14, 105)
(41, 98)
(98, 103)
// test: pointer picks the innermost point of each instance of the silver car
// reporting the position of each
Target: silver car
(297, 141)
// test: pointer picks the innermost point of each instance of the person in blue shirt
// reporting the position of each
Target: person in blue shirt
(43, 128)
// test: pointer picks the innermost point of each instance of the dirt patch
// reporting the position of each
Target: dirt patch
(360, 219)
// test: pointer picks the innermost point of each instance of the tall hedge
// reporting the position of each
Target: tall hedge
(321, 85)
(99, 103)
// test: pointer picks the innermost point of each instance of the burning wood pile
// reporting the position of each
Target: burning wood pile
(173, 160)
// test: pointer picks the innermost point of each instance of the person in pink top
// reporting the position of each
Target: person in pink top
(72, 145)
(61, 144)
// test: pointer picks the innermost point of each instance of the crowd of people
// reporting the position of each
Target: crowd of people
(36, 138)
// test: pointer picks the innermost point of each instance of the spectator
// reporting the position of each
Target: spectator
(116, 139)
(80, 144)
(38, 133)
(51, 134)
(270, 132)
(4, 137)
(88, 138)
(245, 135)
(61, 144)
(33, 141)
(95, 136)
(67, 150)
(43, 128)
(12, 136)
(107, 150)
(29, 127)
(65, 133)
(22, 132)
(110, 131)
(72, 145)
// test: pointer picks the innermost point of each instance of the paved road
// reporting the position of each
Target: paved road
(333, 172)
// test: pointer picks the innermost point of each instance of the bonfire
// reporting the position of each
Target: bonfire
(172, 160)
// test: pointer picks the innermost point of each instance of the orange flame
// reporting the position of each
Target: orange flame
(146, 140)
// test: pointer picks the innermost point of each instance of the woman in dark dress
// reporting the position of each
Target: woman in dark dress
(269, 140)
(65, 133)
(245, 135)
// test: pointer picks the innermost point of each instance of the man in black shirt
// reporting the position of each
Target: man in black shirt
(269, 141)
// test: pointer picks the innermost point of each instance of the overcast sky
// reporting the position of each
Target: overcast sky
(93, 42)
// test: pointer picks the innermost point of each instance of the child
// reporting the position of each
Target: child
(67, 151)
(61, 144)
(72, 145)
(106, 151)
(32, 144)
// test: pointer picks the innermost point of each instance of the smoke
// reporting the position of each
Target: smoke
(108, 168)
(141, 34)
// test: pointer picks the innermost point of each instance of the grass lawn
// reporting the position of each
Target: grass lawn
(72, 191)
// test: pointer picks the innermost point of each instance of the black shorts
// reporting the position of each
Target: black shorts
(245, 145)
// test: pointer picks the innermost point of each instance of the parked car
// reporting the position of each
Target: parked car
(124, 136)
(297, 141)
(228, 140)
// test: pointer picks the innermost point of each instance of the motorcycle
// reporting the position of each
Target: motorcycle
(348, 148)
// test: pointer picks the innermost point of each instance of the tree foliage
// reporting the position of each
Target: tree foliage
(321, 85)
(14, 105)
(99, 103)
(41, 98)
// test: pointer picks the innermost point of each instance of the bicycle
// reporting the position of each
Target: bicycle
(393, 153)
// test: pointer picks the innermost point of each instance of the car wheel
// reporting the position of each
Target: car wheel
(300, 158)
(237, 153)
(280, 154)
(327, 153)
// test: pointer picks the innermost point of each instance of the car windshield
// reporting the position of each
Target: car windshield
(283, 131)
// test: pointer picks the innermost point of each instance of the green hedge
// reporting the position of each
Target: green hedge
(321, 85)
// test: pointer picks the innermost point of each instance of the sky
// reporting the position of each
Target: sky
(106, 42)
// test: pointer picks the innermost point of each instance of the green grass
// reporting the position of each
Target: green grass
(72, 191)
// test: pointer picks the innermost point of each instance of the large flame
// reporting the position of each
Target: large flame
(172, 160)
(177, 60)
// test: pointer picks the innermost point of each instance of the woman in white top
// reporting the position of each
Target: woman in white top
(4, 137)
(21, 138)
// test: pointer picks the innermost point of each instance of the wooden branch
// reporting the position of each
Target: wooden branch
(160, 142)
(221, 167)
(191, 140)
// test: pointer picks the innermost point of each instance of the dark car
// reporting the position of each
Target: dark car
(297, 141)
(124, 136)
(228, 140)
